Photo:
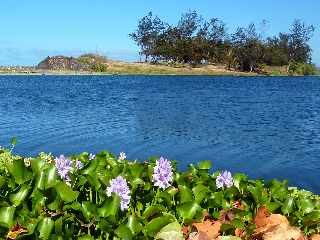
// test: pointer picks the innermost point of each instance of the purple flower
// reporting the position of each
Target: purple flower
(63, 165)
(92, 156)
(162, 173)
(224, 180)
(79, 165)
(119, 186)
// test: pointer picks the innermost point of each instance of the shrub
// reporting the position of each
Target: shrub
(99, 67)
(296, 68)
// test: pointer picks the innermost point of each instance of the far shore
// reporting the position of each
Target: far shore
(125, 68)
(141, 68)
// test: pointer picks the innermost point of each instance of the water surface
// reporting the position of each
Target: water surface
(265, 127)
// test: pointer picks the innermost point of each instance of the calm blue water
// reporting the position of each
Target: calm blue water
(265, 127)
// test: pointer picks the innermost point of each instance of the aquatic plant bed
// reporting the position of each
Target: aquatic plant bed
(104, 196)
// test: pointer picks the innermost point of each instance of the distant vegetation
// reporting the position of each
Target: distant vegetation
(94, 63)
(196, 40)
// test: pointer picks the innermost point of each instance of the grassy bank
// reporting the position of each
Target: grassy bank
(99, 65)
(125, 68)
(103, 196)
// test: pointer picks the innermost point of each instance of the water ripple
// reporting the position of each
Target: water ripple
(265, 127)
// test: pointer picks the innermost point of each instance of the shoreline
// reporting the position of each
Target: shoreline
(147, 74)
(80, 73)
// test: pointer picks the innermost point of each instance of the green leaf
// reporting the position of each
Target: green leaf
(216, 199)
(136, 170)
(136, 182)
(58, 226)
(110, 207)
(239, 181)
(20, 196)
(172, 231)
(312, 219)
(66, 193)
(2, 181)
(287, 206)
(41, 180)
(278, 190)
(189, 211)
(51, 179)
(94, 182)
(258, 193)
(32, 224)
(172, 191)
(205, 165)
(166, 197)
(152, 210)
(124, 232)
(38, 165)
(200, 192)
(185, 194)
(134, 225)
(272, 206)
(305, 205)
(154, 226)
(7, 216)
(45, 227)
(20, 173)
(88, 210)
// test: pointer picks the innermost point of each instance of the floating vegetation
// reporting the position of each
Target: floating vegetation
(104, 196)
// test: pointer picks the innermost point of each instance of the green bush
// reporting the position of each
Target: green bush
(99, 67)
(47, 203)
(302, 69)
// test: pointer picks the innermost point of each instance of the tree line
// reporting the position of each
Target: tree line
(196, 40)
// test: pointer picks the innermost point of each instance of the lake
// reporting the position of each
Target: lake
(262, 126)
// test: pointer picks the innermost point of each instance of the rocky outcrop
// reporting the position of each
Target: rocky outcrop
(62, 63)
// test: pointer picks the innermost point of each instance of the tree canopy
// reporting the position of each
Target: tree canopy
(196, 40)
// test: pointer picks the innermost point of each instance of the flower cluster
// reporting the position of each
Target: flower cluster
(162, 173)
(122, 156)
(47, 157)
(78, 164)
(64, 166)
(120, 187)
(224, 180)
(27, 162)
(91, 156)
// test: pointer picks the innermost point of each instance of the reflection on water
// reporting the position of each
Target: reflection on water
(265, 127)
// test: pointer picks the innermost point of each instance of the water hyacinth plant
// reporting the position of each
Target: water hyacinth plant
(112, 199)
(64, 166)
(162, 173)
(224, 180)
(120, 187)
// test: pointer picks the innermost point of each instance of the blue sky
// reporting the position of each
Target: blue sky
(33, 29)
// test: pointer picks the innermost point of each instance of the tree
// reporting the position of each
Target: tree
(277, 50)
(248, 48)
(146, 36)
(195, 40)
(300, 35)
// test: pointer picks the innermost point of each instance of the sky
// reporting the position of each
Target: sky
(31, 30)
